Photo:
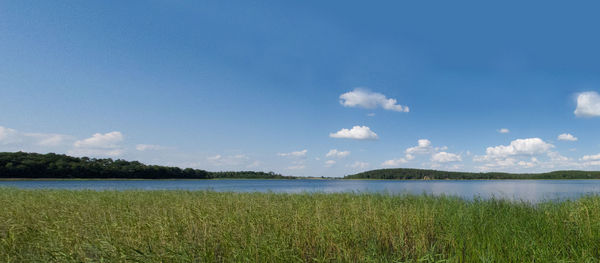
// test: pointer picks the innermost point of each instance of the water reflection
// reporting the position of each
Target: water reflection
(528, 190)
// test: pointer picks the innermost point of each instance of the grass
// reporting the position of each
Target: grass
(204, 226)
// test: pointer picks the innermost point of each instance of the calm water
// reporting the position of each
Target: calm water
(530, 190)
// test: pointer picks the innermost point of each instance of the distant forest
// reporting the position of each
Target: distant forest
(34, 165)
(407, 174)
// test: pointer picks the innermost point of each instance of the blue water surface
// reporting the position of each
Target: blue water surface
(527, 190)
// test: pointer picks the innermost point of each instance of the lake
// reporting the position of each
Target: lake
(528, 190)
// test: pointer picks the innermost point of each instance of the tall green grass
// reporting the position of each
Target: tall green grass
(181, 226)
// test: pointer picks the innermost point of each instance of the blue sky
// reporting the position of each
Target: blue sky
(271, 85)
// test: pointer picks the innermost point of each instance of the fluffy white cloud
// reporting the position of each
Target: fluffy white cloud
(359, 165)
(294, 154)
(567, 137)
(334, 153)
(99, 145)
(504, 130)
(588, 104)
(590, 160)
(367, 99)
(445, 157)
(423, 147)
(356, 133)
(438, 154)
(99, 140)
(521, 153)
(529, 146)
(591, 157)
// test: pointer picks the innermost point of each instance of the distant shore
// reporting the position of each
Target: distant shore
(423, 174)
(20, 165)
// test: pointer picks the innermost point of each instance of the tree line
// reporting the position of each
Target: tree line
(51, 165)
(408, 174)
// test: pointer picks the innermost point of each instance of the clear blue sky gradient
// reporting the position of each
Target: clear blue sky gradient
(247, 80)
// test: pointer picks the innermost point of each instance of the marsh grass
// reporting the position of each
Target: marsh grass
(205, 226)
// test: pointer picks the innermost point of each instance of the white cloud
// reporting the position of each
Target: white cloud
(26, 140)
(99, 145)
(591, 157)
(557, 157)
(590, 160)
(359, 165)
(294, 154)
(148, 147)
(567, 137)
(528, 164)
(521, 153)
(529, 146)
(395, 162)
(298, 159)
(423, 147)
(504, 130)
(445, 157)
(371, 114)
(588, 104)
(356, 133)
(367, 99)
(47, 139)
(337, 154)
(443, 148)
(591, 163)
(98, 140)
(8, 135)
(505, 162)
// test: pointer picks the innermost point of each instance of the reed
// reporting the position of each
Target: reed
(205, 226)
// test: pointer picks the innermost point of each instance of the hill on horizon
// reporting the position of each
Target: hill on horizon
(424, 174)
(51, 165)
